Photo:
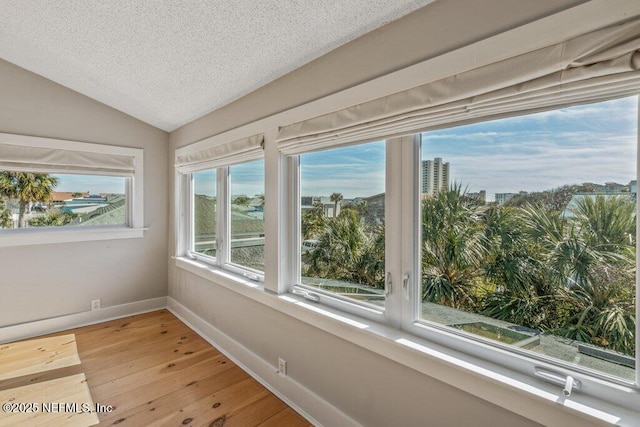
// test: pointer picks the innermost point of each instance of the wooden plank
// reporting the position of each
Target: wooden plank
(135, 410)
(286, 417)
(254, 413)
(211, 408)
(37, 355)
(64, 401)
(109, 375)
(203, 361)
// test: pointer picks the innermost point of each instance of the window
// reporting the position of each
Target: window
(56, 191)
(528, 233)
(342, 217)
(246, 215)
(205, 212)
(236, 210)
(31, 200)
(225, 223)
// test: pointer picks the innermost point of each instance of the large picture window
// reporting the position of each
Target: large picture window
(528, 233)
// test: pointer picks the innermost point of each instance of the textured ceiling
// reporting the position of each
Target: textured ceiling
(168, 62)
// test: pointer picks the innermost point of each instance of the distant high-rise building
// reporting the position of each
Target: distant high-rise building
(435, 176)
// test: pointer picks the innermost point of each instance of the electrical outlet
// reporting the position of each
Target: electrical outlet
(95, 304)
(282, 367)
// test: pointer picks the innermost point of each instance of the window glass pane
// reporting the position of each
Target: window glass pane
(342, 207)
(204, 212)
(32, 199)
(247, 214)
(529, 235)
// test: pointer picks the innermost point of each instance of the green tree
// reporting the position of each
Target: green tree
(520, 291)
(347, 251)
(573, 276)
(313, 222)
(27, 187)
(53, 218)
(336, 198)
(452, 248)
(241, 201)
(608, 223)
(5, 215)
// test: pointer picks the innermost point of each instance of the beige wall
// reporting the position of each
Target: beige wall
(373, 390)
(44, 281)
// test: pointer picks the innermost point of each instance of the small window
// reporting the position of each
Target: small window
(246, 214)
(205, 204)
(32, 199)
(56, 191)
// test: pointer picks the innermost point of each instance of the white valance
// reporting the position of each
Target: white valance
(241, 150)
(26, 158)
(593, 67)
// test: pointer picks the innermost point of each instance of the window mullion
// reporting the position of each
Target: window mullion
(393, 229)
(637, 331)
(410, 230)
(223, 211)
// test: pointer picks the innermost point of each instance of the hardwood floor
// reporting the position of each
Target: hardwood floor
(153, 370)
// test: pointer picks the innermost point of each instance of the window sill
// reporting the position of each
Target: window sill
(525, 395)
(218, 275)
(34, 236)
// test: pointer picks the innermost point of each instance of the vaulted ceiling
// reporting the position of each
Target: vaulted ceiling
(168, 62)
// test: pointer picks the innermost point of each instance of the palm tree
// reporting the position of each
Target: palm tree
(452, 248)
(27, 187)
(313, 221)
(336, 198)
(53, 218)
(608, 223)
(339, 247)
(5, 215)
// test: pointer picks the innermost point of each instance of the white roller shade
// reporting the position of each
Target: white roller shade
(597, 66)
(242, 150)
(15, 157)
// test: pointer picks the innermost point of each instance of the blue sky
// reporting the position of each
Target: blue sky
(93, 183)
(589, 143)
(246, 179)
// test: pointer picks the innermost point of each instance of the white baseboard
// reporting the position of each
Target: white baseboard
(75, 320)
(311, 406)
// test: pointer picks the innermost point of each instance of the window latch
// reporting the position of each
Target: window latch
(566, 381)
(306, 295)
(387, 284)
(405, 285)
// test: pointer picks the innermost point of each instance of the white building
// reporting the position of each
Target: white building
(435, 176)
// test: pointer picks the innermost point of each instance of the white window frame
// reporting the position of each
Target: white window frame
(222, 260)
(134, 189)
(402, 303)
(516, 359)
